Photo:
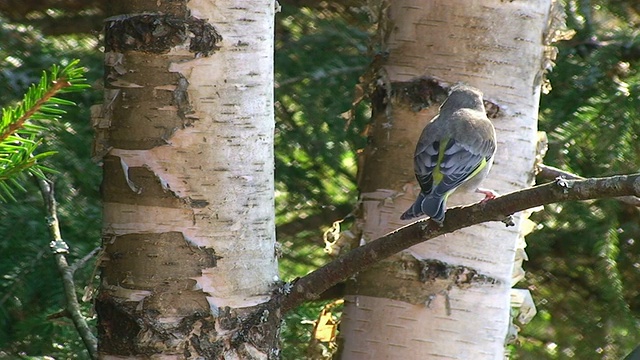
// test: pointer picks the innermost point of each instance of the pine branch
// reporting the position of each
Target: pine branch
(38, 106)
(20, 136)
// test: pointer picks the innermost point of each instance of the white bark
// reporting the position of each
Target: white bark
(232, 92)
(218, 168)
(495, 46)
(225, 158)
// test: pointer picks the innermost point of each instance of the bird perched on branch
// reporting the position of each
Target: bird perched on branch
(455, 149)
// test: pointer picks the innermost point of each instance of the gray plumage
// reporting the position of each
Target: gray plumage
(455, 149)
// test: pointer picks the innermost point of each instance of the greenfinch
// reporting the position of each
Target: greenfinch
(455, 149)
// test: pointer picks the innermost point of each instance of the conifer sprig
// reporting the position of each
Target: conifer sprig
(21, 126)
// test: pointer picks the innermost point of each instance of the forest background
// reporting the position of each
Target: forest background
(584, 257)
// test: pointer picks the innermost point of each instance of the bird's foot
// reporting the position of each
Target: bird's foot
(488, 194)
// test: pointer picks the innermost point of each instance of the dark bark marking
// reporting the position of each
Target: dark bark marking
(159, 33)
(181, 100)
(159, 260)
(462, 276)
(117, 328)
(419, 94)
(130, 331)
(150, 190)
(414, 281)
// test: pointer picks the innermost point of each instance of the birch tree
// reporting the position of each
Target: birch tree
(186, 141)
(448, 298)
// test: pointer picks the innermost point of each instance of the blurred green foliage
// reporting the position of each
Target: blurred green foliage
(584, 261)
(584, 258)
(30, 287)
(319, 57)
(320, 54)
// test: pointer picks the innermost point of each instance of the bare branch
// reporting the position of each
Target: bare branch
(321, 75)
(59, 248)
(312, 285)
(549, 173)
(80, 262)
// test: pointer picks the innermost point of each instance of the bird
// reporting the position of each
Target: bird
(456, 149)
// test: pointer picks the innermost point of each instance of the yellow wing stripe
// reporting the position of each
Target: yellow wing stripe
(437, 174)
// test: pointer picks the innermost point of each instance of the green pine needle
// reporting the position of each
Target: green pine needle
(20, 136)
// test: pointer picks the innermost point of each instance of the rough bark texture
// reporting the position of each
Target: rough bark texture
(186, 140)
(497, 47)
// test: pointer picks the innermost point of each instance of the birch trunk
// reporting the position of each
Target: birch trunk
(422, 304)
(186, 139)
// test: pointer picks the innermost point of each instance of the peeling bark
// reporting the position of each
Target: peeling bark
(185, 137)
(497, 47)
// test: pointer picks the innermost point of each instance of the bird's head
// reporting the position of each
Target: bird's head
(463, 96)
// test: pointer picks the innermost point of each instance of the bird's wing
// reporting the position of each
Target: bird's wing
(442, 166)
(425, 162)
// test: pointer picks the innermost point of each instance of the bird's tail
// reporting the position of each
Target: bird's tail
(415, 210)
(432, 206)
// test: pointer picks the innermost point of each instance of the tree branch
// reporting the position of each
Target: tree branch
(549, 173)
(59, 248)
(312, 285)
(81, 262)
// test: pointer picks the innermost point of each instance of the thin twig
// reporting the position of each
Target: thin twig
(59, 248)
(320, 75)
(549, 173)
(80, 262)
